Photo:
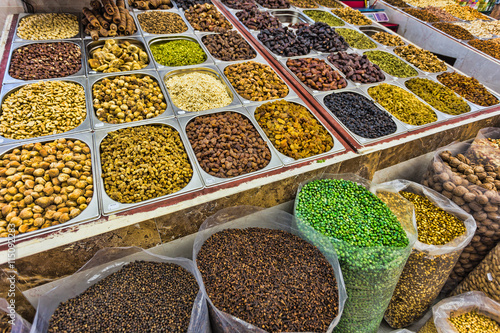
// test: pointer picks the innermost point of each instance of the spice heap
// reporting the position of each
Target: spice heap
(108, 19)
(206, 17)
(402, 104)
(140, 297)
(303, 3)
(127, 98)
(356, 68)
(284, 42)
(438, 96)
(322, 37)
(316, 74)
(487, 46)
(388, 39)
(293, 130)
(482, 29)
(361, 227)
(266, 291)
(465, 12)
(420, 58)
(198, 91)
(229, 46)
(255, 81)
(186, 4)
(360, 115)
(257, 20)
(117, 55)
(424, 275)
(226, 144)
(164, 166)
(352, 16)
(325, 17)
(441, 14)
(469, 88)
(329, 3)
(156, 22)
(42, 108)
(390, 64)
(45, 61)
(48, 26)
(45, 184)
(150, 4)
(240, 4)
(274, 4)
(474, 322)
(180, 52)
(422, 14)
(356, 39)
(454, 30)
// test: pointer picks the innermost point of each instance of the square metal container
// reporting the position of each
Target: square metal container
(208, 69)
(312, 91)
(244, 101)
(290, 16)
(91, 46)
(337, 146)
(99, 124)
(419, 72)
(81, 73)
(110, 206)
(135, 34)
(400, 127)
(80, 34)
(210, 180)
(150, 40)
(85, 126)
(201, 36)
(145, 34)
(92, 210)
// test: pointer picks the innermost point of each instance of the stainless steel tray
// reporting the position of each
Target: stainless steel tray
(110, 206)
(291, 92)
(135, 34)
(91, 46)
(209, 69)
(92, 210)
(210, 180)
(138, 12)
(85, 126)
(202, 36)
(400, 127)
(190, 37)
(81, 73)
(290, 16)
(337, 146)
(16, 38)
(99, 124)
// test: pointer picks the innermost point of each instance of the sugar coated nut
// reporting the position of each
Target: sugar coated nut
(164, 167)
(48, 26)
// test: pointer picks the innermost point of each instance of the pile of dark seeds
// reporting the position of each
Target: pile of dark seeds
(323, 38)
(284, 42)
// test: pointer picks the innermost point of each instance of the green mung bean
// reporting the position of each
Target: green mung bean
(356, 39)
(325, 17)
(391, 64)
(181, 52)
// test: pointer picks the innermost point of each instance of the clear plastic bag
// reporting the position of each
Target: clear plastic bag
(19, 324)
(428, 266)
(484, 151)
(245, 217)
(104, 263)
(369, 288)
(485, 277)
(481, 201)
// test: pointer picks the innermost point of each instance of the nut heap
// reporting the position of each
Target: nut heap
(420, 58)
(484, 150)
(229, 46)
(323, 38)
(474, 322)
(438, 96)
(118, 56)
(284, 42)
(206, 17)
(352, 16)
(44, 184)
(43, 108)
(178, 52)
(293, 130)
(45, 61)
(356, 39)
(482, 29)
(402, 104)
(198, 91)
(257, 20)
(391, 64)
(240, 4)
(274, 4)
(360, 115)
(422, 14)
(487, 46)
(155, 22)
(454, 30)
(48, 26)
(465, 12)
(144, 162)
(356, 68)
(126, 98)
(329, 3)
(441, 14)
(316, 74)
(325, 17)
(469, 88)
(108, 19)
(255, 81)
(474, 188)
(186, 4)
(150, 4)
(388, 39)
(226, 144)
(303, 3)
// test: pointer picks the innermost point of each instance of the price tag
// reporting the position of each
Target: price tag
(113, 206)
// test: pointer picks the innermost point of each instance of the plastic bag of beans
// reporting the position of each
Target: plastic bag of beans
(16, 324)
(121, 286)
(261, 274)
(485, 277)
(471, 312)
(473, 187)
(485, 148)
(444, 229)
(373, 235)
